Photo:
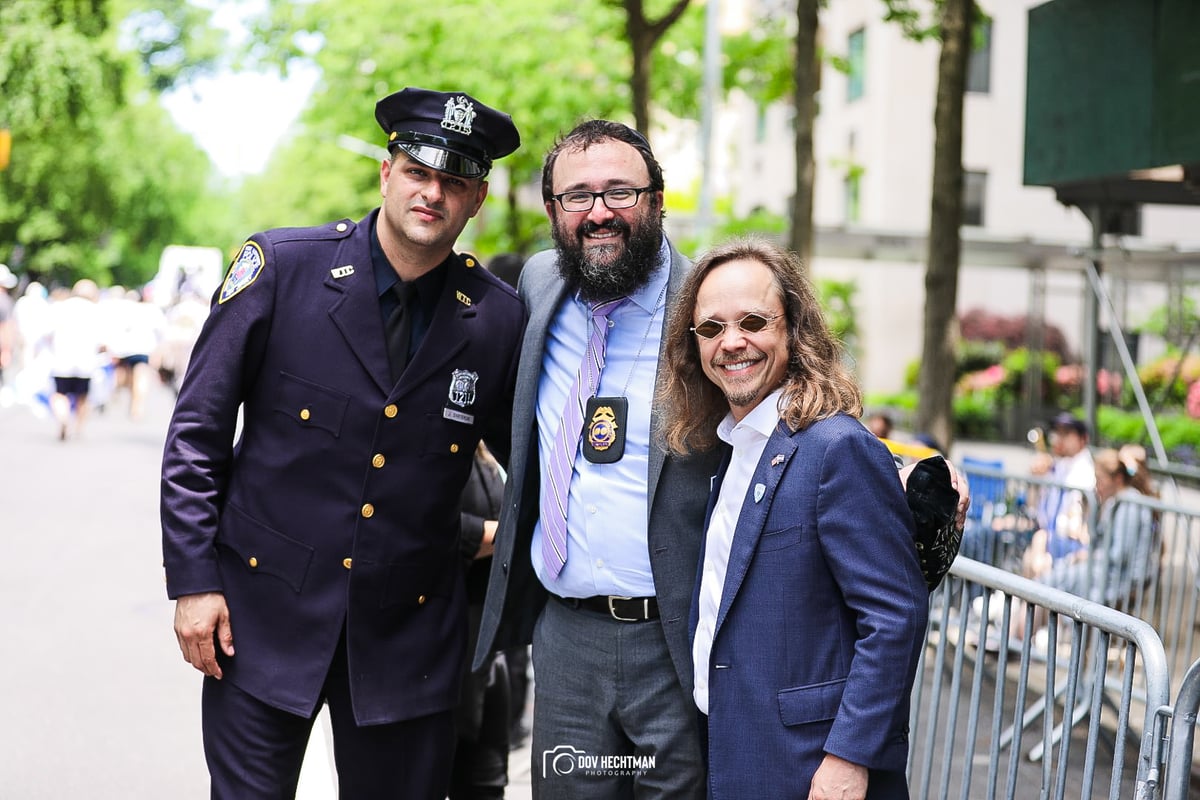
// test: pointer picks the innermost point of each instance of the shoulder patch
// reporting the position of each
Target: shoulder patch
(245, 269)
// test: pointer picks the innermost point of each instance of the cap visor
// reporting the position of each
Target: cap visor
(443, 160)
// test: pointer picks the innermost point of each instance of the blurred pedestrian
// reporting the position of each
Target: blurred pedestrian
(76, 342)
(135, 329)
(1062, 506)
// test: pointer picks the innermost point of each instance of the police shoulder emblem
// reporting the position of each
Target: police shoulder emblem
(246, 268)
(462, 387)
(460, 113)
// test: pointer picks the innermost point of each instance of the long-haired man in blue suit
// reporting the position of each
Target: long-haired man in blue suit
(810, 604)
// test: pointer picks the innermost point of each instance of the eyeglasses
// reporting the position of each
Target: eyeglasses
(579, 200)
(751, 323)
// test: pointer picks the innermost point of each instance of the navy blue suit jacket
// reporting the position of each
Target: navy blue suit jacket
(821, 621)
(339, 505)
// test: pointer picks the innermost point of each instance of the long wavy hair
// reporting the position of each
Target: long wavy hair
(816, 385)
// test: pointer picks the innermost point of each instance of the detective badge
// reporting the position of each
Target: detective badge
(462, 394)
(604, 422)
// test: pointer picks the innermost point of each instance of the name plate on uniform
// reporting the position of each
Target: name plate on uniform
(458, 416)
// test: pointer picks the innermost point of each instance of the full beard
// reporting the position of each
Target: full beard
(597, 279)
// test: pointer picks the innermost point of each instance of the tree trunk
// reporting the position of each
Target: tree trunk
(935, 413)
(643, 35)
(806, 75)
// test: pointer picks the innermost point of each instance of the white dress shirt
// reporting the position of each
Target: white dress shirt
(749, 439)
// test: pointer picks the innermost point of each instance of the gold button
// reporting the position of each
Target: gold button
(253, 561)
(453, 448)
(347, 562)
(341, 226)
(378, 461)
(470, 262)
(304, 414)
(421, 600)
(390, 410)
(368, 510)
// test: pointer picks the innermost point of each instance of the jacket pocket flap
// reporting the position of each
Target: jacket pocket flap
(311, 405)
(814, 703)
(263, 549)
(413, 585)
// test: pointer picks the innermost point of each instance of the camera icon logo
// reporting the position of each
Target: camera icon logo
(562, 760)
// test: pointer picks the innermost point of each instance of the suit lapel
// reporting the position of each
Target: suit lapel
(756, 506)
(354, 306)
(448, 334)
(678, 272)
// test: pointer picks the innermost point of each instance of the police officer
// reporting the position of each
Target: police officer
(316, 559)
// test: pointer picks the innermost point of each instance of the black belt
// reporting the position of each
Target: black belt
(622, 609)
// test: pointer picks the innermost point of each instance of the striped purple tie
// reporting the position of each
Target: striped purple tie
(557, 480)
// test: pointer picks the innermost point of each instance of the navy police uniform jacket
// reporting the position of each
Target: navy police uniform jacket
(339, 503)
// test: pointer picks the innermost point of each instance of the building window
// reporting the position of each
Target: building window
(979, 67)
(855, 63)
(974, 194)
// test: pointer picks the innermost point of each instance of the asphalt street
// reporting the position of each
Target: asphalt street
(99, 703)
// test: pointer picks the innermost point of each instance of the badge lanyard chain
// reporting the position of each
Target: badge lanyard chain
(641, 346)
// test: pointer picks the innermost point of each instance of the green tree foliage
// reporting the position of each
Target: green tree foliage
(550, 63)
(99, 179)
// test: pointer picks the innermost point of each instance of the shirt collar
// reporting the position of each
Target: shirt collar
(762, 419)
(429, 286)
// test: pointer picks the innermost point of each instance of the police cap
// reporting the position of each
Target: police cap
(448, 131)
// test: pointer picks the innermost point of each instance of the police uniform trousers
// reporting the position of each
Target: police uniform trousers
(254, 751)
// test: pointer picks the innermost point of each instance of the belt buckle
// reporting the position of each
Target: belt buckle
(612, 609)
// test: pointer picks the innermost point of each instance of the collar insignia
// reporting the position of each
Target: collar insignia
(462, 298)
(342, 272)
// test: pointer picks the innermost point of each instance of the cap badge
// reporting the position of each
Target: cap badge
(462, 387)
(460, 113)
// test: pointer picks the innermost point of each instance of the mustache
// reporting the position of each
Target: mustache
(616, 224)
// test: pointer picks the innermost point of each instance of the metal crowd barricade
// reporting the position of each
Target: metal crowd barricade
(1167, 593)
(1002, 517)
(1178, 777)
(976, 682)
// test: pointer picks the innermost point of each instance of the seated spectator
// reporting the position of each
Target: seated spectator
(1061, 508)
(1118, 558)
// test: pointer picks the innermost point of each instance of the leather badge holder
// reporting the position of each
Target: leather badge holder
(604, 429)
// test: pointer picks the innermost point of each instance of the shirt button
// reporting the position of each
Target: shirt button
(304, 414)
(368, 511)
(378, 461)
(390, 410)
(599, 562)
(591, 509)
(347, 562)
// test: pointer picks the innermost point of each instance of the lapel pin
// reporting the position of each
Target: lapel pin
(759, 491)
(777, 460)
(462, 298)
(342, 272)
